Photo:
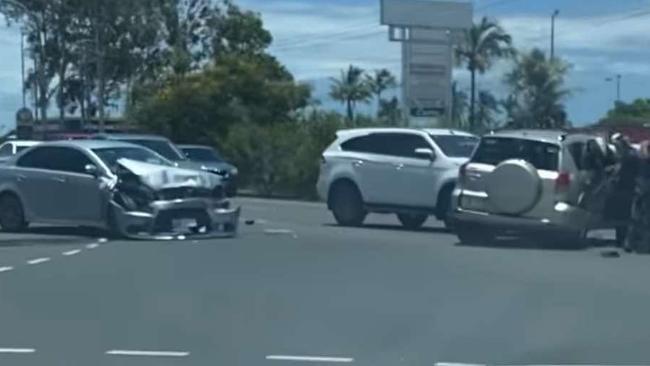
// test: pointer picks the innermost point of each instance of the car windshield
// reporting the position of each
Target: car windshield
(202, 154)
(21, 148)
(541, 155)
(110, 156)
(456, 146)
(162, 147)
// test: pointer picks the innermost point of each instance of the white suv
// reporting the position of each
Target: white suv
(534, 183)
(409, 172)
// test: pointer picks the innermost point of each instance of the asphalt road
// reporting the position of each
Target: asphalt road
(295, 289)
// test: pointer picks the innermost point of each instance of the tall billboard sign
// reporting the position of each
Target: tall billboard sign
(428, 31)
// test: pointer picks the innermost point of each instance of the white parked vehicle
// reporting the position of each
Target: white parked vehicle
(529, 182)
(408, 172)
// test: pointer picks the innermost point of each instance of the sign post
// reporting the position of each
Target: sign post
(24, 124)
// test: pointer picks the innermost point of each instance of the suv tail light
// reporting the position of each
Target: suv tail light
(562, 182)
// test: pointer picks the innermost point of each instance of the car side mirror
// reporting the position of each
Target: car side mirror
(91, 169)
(424, 153)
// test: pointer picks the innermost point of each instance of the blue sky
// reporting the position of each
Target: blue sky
(318, 38)
(599, 38)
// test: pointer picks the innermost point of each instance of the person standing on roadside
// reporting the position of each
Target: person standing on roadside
(638, 238)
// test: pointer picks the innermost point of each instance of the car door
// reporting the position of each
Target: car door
(373, 167)
(35, 183)
(78, 193)
(417, 175)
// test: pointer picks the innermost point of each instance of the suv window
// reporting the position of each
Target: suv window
(495, 150)
(368, 144)
(394, 144)
(404, 144)
(456, 146)
(55, 158)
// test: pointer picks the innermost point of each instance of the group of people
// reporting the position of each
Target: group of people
(620, 186)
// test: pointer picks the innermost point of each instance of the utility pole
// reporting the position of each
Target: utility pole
(553, 16)
(22, 65)
(618, 78)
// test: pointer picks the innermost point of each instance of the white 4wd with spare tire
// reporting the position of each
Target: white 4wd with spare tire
(408, 172)
(526, 182)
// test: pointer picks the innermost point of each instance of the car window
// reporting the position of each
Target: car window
(6, 150)
(456, 146)
(162, 147)
(110, 156)
(202, 154)
(37, 158)
(21, 148)
(62, 159)
(495, 150)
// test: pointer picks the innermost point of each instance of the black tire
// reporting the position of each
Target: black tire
(412, 221)
(347, 205)
(473, 235)
(443, 206)
(12, 214)
(113, 231)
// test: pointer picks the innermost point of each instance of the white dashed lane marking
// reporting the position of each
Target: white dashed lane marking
(309, 359)
(119, 352)
(6, 269)
(72, 252)
(17, 350)
(38, 261)
(92, 246)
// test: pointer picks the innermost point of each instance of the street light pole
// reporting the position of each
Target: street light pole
(553, 16)
(618, 85)
(22, 65)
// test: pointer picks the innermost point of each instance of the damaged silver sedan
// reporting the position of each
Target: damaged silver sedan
(127, 189)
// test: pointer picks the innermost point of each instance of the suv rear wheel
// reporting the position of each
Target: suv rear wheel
(347, 205)
(412, 221)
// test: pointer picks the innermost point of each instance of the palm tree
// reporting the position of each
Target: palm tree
(483, 44)
(350, 89)
(537, 84)
(379, 82)
(488, 108)
(458, 106)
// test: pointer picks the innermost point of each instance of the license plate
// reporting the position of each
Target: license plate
(473, 203)
(184, 224)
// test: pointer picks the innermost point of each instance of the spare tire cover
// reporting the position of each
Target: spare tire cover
(514, 187)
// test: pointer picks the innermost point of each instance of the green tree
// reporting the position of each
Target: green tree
(537, 84)
(639, 108)
(350, 89)
(390, 112)
(459, 107)
(379, 82)
(483, 44)
(487, 111)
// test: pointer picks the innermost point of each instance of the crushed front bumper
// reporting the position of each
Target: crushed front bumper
(196, 218)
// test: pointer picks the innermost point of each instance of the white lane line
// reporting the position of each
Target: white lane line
(38, 260)
(102, 240)
(458, 364)
(6, 269)
(120, 352)
(92, 246)
(309, 358)
(17, 350)
(72, 252)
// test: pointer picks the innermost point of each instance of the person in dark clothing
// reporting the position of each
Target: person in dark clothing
(618, 207)
(638, 238)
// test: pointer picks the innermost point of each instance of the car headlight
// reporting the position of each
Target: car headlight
(234, 171)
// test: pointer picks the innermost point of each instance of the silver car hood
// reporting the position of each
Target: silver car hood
(162, 177)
